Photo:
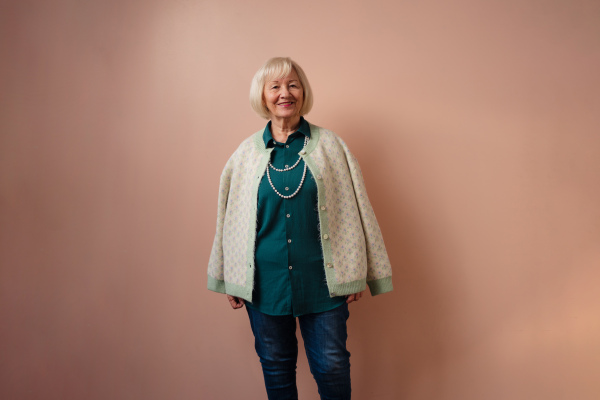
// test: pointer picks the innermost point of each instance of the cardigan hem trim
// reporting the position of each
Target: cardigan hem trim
(230, 288)
(342, 289)
(251, 245)
(323, 224)
(215, 285)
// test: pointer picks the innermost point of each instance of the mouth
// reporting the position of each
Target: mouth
(286, 104)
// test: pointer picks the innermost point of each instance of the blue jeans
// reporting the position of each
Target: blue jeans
(324, 337)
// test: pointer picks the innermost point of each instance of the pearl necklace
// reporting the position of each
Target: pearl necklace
(287, 169)
(293, 166)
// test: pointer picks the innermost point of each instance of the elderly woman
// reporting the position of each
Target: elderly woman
(296, 236)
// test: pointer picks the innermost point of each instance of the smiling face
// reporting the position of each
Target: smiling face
(284, 97)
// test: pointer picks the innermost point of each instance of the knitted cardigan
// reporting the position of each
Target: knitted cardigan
(354, 254)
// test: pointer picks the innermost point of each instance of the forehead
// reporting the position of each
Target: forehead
(281, 76)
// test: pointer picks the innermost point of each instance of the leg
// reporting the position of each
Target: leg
(325, 337)
(277, 347)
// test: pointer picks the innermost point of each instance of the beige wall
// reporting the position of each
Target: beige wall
(477, 127)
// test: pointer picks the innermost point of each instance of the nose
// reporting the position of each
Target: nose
(284, 92)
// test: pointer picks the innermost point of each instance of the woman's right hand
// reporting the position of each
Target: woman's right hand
(236, 302)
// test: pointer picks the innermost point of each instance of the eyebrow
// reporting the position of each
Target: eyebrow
(293, 80)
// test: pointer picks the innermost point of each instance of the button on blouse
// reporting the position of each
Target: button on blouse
(289, 276)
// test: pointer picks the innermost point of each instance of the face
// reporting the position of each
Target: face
(283, 97)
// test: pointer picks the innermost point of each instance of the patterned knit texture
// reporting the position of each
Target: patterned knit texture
(357, 244)
(235, 210)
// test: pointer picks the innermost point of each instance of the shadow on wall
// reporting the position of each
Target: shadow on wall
(396, 339)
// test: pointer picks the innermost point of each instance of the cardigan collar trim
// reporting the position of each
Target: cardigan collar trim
(303, 128)
(315, 135)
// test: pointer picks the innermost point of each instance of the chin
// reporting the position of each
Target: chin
(286, 115)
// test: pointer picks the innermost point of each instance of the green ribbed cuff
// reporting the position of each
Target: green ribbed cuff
(380, 286)
(215, 285)
(230, 288)
(342, 289)
(239, 291)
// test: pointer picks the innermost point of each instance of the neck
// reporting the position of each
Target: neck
(282, 128)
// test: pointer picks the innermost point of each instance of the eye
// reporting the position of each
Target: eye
(274, 87)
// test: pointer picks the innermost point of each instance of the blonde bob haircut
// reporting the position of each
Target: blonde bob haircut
(277, 68)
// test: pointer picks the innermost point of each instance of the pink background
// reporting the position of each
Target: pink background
(476, 124)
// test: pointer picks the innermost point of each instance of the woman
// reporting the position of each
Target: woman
(296, 236)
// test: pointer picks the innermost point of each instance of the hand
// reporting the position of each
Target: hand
(235, 302)
(354, 297)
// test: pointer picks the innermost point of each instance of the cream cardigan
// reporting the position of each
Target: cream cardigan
(353, 250)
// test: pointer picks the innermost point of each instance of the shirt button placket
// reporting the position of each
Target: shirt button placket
(286, 212)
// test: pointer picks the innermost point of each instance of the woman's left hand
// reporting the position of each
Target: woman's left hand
(354, 297)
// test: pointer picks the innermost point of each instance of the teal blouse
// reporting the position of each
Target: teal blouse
(289, 277)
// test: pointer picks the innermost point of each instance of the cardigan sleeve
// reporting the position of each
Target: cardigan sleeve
(216, 280)
(379, 269)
